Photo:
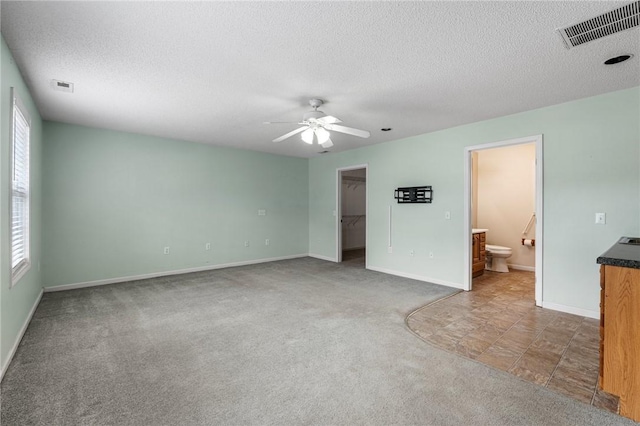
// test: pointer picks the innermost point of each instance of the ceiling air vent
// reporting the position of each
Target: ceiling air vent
(617, 20)
(62, 86)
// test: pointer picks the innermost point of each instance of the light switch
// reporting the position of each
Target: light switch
(262, 212)
(601, 218)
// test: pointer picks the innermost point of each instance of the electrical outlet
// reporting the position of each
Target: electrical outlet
(262, 212)
(266, 242)
(447, 215)
(166, 250)
(411, 253)
(207, 246)
(246, 243)
(601, 218)
(431, 254)
(389, 249)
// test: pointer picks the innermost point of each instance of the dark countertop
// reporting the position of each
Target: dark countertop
(625, 255)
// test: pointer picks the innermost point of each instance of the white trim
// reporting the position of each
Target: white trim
(366, 217)
(20, 271)
(95, 283)
(521, 267)
(338, 224)
(466, 226)
(508, 142)
(389, 245)
(25, 265)
(539, 219)
(20, 335)
(16, 99)
(538, 140)
(571, 310)
(415, 277)
(321, 257)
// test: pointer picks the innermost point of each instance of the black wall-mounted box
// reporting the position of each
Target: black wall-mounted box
(414, 194)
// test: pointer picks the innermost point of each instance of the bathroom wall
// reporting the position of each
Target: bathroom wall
(506, 199)
(354, 205)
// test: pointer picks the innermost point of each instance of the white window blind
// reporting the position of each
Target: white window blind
(20, 128)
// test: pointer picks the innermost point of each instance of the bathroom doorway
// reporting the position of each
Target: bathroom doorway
(351, 215)
(503, 211)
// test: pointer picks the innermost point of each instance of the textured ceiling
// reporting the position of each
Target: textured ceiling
(213, 72)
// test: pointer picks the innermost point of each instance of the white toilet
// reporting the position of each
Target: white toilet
(497, 258)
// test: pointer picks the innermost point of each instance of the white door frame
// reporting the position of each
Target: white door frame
(537, 139)
(339, 210)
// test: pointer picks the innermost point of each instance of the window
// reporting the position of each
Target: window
(20, 128)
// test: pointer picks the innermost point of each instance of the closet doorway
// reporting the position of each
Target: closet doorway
(351, 215)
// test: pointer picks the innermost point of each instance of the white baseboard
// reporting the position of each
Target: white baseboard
(321, 257)
(95, 283)
(14, 348)
(571, 310)
(521, 267)
(415, 277)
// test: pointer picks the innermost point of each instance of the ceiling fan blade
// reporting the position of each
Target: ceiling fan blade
(348, 130)
(327, 144)
(329, 119)
(288, 135)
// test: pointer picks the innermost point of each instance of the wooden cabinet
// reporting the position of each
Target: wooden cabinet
(478, 253)
(620, 336)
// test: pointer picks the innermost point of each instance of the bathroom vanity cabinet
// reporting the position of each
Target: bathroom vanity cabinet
(478, 253)
(620, 326)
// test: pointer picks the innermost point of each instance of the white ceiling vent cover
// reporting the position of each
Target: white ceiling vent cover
(617, 20)
(62, 86)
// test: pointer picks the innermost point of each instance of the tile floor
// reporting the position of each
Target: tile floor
(499, 325)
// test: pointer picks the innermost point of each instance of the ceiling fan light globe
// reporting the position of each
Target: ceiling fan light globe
(322, 135)
(307, 136)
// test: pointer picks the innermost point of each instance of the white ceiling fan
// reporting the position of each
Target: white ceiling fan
(316, 124)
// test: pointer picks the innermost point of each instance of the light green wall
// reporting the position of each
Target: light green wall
(591, 164)
(114, 200)
(16, 302)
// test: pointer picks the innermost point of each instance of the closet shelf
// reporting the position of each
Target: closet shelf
(353, 181)
(352, 219)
